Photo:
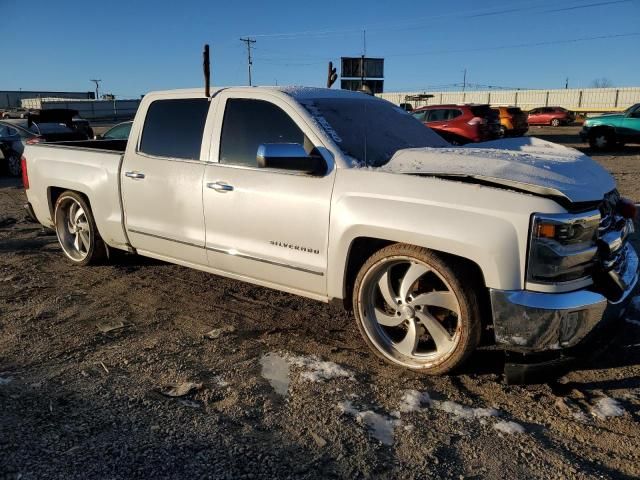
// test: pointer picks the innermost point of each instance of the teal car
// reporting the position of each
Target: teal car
(605, 131)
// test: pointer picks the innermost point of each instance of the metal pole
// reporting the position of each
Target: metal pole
(464, 80)
(97, 82)
(249, 41)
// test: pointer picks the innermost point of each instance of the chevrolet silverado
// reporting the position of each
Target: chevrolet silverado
(337, 195)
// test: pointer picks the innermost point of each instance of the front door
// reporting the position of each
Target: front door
(162, 182)
(269, 226)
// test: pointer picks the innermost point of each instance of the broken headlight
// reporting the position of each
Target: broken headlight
(562, 247)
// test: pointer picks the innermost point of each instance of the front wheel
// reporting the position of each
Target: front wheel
(601, 139)
(555, 122)
(76, 230)
(413, 310)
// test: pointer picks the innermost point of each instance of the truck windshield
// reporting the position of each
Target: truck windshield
(370, 130)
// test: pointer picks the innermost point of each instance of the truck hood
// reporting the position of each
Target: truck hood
(526, 164)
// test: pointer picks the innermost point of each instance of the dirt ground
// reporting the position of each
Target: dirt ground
(141, 369)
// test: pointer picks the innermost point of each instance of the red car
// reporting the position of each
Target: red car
(460, 124)
(554, 116)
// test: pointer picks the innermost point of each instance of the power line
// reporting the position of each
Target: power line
(249, 41)
(520, 45)
(419, 22)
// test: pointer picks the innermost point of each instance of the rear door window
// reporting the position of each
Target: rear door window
(174, 128)
(438, 115)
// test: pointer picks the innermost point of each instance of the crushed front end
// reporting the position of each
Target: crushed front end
(581, 275)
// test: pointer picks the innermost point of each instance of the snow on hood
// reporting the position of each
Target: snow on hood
(525, 163)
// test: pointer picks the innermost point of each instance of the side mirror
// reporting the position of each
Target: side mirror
(98, 137)
(289, 156)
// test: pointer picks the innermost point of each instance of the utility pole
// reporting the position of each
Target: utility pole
(566, 84)
(464, 80)
(97, 82)
(249, 41)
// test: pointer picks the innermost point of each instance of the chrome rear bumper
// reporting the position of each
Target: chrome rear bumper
(526, 321)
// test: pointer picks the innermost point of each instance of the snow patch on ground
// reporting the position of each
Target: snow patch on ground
(413, 400)
(221, 382)
(509, 427)
(607, 407)
(319, 370)
(276, 369)
(380, 426)
(462, 411)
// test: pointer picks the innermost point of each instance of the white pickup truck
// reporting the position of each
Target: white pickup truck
(337, 195)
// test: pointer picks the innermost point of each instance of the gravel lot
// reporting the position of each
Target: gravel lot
(141, 369)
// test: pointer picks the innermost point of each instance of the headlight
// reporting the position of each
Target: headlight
(562, 247)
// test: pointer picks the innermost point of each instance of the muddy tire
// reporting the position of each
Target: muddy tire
(77, 231)
(417, 310)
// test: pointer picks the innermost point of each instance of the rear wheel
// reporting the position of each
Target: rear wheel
(413, 310)
(502, 132)
(76, 230)
(555, 122)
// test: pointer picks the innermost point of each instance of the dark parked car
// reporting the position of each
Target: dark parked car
(460, 124)
(605, 131)
(12, 141)
(58, 125)
(554, 116)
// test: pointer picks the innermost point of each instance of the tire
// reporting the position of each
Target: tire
(601, 139)
(77, 231)
(435, 327)
(502, 132)
(13, 165)
(555, 122)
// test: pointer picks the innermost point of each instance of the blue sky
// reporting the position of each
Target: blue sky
(139, 46)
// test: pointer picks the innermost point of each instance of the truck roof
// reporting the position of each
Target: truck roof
(297, 92)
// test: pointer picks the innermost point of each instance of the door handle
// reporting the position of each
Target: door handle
(220, 187)
(136, 175)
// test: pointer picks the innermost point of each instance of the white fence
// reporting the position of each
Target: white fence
(576, 99)
(88, 109)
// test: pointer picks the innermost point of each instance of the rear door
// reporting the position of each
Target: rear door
(269, 226)
(161, 181)
(534, 116)
(438, 118)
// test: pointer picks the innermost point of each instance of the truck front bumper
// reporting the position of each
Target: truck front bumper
(532, 322)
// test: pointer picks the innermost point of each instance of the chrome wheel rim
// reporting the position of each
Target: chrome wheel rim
(410, 312)
(73, 230)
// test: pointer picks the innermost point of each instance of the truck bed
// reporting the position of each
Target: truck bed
(111, 145)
